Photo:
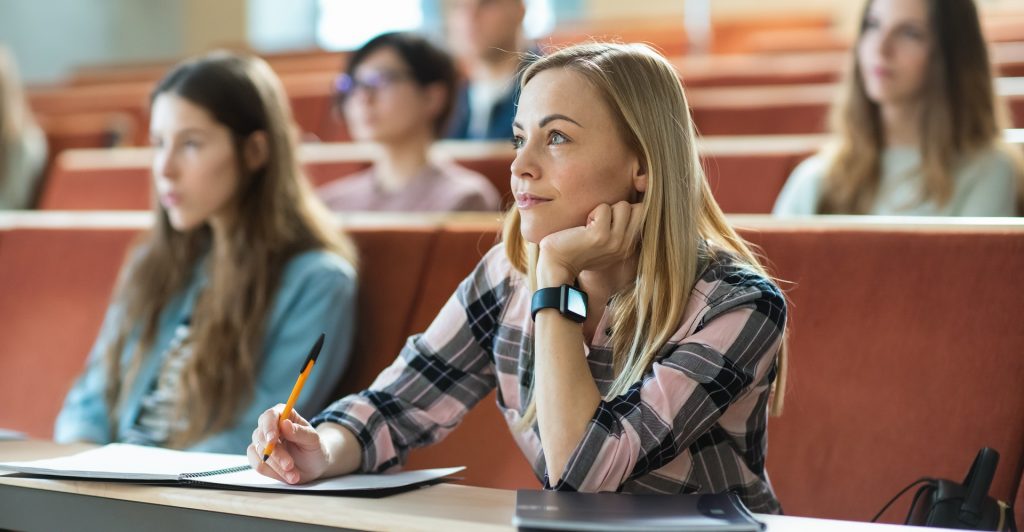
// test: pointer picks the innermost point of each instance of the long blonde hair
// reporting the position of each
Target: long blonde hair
(644, 93)
(15, 116)
(278, 217)
(962, 115)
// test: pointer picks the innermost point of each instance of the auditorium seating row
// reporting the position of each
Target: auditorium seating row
(813, 66)
(746, 172)
(796, 109)
(792, 108)
(104, 105)
(905, 340)
(731, 36)
(789, 39)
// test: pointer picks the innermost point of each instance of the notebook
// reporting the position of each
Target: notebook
(551, 510)
(154, 465)
(6, 434)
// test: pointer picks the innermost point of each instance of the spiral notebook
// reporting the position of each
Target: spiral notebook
(153, 465)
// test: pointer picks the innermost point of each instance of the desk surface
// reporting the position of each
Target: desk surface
(28, 503)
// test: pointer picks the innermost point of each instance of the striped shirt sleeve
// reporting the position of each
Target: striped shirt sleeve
(436, 379)
(729, 357)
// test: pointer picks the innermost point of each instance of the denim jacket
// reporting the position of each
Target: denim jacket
(317, 293)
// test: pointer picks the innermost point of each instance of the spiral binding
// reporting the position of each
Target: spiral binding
(237, 469)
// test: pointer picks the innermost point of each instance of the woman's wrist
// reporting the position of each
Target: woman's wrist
(551, 274)
(342, 449)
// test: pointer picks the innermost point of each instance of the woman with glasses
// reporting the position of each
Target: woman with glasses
(397, 92)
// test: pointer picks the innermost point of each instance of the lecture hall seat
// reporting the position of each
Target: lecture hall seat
(904, 342)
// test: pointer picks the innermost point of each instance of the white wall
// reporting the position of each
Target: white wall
(209, 24)
(611, 9)
(49, 37)
(282, 25)
(841, 11)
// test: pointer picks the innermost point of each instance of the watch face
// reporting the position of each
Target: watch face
(575, 302)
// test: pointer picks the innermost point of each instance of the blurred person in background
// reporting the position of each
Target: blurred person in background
(918, 130)
(22, 144)
(486, 37)
(397, 92)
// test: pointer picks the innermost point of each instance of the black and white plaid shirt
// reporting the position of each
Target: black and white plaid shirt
(696, 422)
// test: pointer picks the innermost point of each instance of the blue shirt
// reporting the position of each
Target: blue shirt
(317, 294)
(502, 112)
(499, 122)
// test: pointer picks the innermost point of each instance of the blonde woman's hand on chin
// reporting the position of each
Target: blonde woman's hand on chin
(610, 236)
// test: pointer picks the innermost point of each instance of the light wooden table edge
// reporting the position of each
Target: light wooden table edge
(359, 513)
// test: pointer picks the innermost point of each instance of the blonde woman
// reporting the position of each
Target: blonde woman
(632, 336)
(919, 128)
(218, 306)
(22, 144)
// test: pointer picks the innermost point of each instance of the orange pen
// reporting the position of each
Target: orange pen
(297, 389)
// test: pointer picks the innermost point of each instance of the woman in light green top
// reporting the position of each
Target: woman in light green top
(22, 143)
(918, 130)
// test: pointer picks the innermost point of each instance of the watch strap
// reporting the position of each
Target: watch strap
(563, 299)
(545, 298)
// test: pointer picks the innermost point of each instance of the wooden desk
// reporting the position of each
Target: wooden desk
(42, 504)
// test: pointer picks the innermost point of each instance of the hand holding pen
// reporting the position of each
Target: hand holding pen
(296, 390)
(287, 448)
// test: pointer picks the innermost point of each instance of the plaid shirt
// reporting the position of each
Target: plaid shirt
(696, 422)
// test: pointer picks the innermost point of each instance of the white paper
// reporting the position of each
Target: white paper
(254, 480)
(119, 461)
(6, 434)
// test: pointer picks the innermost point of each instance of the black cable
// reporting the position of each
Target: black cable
(898, 495)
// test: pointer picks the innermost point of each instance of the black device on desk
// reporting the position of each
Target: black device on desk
(550, 510)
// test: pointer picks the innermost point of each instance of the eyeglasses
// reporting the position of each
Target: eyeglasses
(467, 4)
(382, 80)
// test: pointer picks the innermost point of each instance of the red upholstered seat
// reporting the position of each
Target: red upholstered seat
(905, 346)
(55, 286)
(84, 189)
(749, 184)
(906, 358)
(742, 182)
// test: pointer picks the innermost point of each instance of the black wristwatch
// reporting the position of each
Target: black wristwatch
(570, 301)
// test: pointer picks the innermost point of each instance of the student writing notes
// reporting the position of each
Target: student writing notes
(658, 380)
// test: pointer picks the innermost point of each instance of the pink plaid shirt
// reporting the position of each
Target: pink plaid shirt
(696, 421)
